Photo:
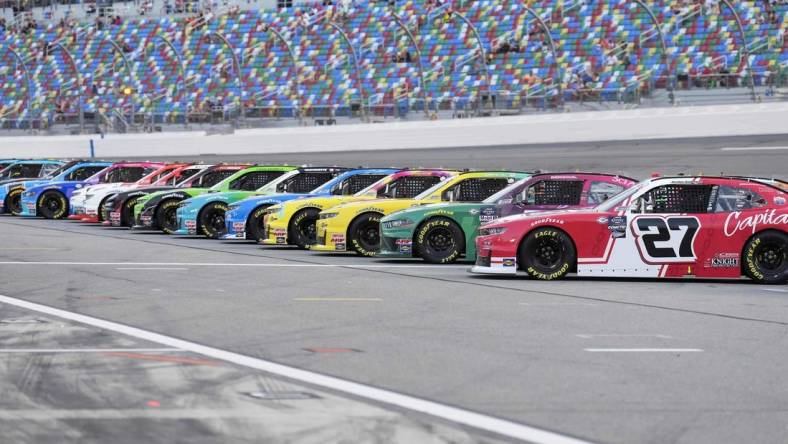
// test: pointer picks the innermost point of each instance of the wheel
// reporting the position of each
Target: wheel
(440, 241)
(13, 202)
(100, 215)
(127, 212)
(166, 216)
(255, 229)
(547, 254)
(211, 220)
(302, 230)
(364, 234)
(52, 205)
(766, 258)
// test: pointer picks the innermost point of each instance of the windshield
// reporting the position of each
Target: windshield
(616, 200)
(506, 192)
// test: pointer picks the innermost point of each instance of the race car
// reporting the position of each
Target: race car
(710, 227)
(51, 200)
(28, 169)
(118, 209)
(85, 203)
(244, 219)
(5, 162)
(356, 225)
(205, 214)
(11, 192)
(294, 222)
(159, 210)
(442, 233)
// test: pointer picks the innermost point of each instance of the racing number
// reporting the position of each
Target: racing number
(666, 240)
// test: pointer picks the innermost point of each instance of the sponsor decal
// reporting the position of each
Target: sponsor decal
(559, 177)
(339, 241)
(90, 212)
(438, 213)
(281, 240)
(405, 245)
(617, 226)
(547, 220)
(373, 209)
(488, 214)
(620, 180)
(191, 226)
(735, 223)
(340, 246)
(30, 206)
(509, 262)
(146, 220)
(722, 260)
(239, 226)
(668, 239)
(779, 200)
(171, 195)
(602, 220)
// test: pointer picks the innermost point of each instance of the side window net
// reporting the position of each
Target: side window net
(212, 178)
(358, 182)
(476, 190)
(555, 192)
(255, 180)
(678, 199)
(306, 182)
(409, 186)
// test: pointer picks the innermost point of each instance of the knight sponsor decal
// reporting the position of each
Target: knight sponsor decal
(722, 260)
(735, 223)
(547, 220)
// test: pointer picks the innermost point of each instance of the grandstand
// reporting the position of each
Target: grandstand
(236, 64)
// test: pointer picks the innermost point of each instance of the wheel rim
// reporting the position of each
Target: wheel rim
(15, 203)
(308, 231)
(548, 253)
(369, 236)
(215, 222)
(170, 219)
(52, 204)
(770, 256)
(440, 240)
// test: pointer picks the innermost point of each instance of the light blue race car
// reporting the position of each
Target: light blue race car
(21, 171)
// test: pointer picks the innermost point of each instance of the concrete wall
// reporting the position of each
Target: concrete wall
(653, 123)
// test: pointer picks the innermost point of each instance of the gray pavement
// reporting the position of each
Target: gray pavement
(575, 356)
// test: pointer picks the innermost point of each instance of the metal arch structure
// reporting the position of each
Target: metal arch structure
(356, 66)
(182, 72)
(78, 78)
(28, 79)
(126, 63)
(665, 60)
(415, 44)
(551, 44)
(745, 46)
(291, 53)
(236, 66)
(480, 43)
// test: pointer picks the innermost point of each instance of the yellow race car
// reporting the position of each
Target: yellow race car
(293, 222)
(356, 225)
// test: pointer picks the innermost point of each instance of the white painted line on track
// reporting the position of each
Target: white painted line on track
(778, 290)
(88, 350)
(613, 335)
(150, 268)
(559, 304)
(454, 414)
(643, 350)
(338, 299)
(754, 148)
(222, 264)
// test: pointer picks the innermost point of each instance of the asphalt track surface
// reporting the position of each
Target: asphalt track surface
(620, 361)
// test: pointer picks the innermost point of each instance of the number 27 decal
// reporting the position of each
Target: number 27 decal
(669, 239)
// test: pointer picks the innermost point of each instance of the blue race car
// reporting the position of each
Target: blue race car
(51, 200)
(28, 169)
(11, 193)
(243, 219)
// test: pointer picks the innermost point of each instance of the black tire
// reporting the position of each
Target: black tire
(302, 230)
(547, 254)
(766, 258)
(364, 234)
(13, 201)
(439, 241)
(100, 212)
(127, 212)
(211, 220)
(52, 205)
(255, 229)
(166, 216)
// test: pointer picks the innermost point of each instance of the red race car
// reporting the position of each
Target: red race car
(711, 227)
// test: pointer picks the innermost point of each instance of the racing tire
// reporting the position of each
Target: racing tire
(13, 202)
(766, 258)
(100, 211)
(127, 212)
(547, 254)
(211, 220)
(255, 229)
(167, 217)
(52, 205)
(440, 241)
(364, 234)
(302, 230)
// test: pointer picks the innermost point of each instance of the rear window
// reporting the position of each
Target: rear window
(408, 187)
(737, 199)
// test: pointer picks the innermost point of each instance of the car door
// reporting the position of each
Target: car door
(669, 224)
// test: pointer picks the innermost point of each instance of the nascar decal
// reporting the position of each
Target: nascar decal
(735, 223)
(666, 239)
(488, 214)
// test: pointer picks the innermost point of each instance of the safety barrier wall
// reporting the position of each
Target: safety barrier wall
(656, 123)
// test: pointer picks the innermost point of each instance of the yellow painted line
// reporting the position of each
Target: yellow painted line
(337, 299)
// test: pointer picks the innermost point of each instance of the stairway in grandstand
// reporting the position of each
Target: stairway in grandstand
(608, 53)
